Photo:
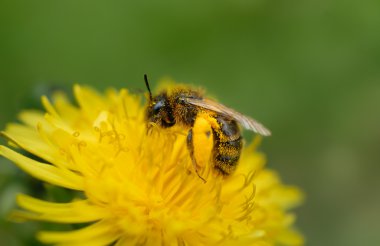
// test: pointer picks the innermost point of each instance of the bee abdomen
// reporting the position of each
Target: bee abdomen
(226, 155)
(228, 145)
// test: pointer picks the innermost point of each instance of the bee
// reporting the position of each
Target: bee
(187, 107)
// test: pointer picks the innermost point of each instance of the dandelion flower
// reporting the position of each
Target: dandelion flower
(138, 188)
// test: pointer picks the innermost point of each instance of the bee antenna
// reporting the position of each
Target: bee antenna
(147, 86)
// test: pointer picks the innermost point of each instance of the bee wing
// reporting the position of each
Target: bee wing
(247, 122)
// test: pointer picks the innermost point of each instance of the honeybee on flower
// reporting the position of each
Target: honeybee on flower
(206, 121)
(136, 188)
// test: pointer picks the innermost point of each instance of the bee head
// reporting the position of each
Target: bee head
(159, 110)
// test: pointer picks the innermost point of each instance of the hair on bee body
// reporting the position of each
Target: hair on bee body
(183, 106)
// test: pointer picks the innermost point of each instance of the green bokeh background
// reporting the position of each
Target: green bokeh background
(310, 70)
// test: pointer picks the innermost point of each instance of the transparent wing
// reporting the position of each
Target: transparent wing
(247, 122)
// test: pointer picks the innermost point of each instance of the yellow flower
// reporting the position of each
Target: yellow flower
(139, 188)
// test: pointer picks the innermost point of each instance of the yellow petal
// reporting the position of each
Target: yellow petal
(91, 103)
(290, 237)
(65, 109)
(72, 212)
(287, 196)
(31, 117)
(29, 140)
(100, 233)
(49, 107)
(44, 172)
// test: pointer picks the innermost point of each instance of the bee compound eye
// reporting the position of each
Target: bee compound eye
(157, 107)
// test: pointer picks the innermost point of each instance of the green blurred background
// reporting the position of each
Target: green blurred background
(310, 70)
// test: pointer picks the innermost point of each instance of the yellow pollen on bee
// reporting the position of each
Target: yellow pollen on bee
(203, 141)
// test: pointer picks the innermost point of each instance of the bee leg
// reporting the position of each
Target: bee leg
(149, 128)
(190, 147)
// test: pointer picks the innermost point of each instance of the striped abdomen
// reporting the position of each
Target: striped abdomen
(227, 145)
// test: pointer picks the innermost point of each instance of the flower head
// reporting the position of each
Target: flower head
(139, 187)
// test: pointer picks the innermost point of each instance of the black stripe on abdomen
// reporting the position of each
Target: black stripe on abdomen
(227, 154)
